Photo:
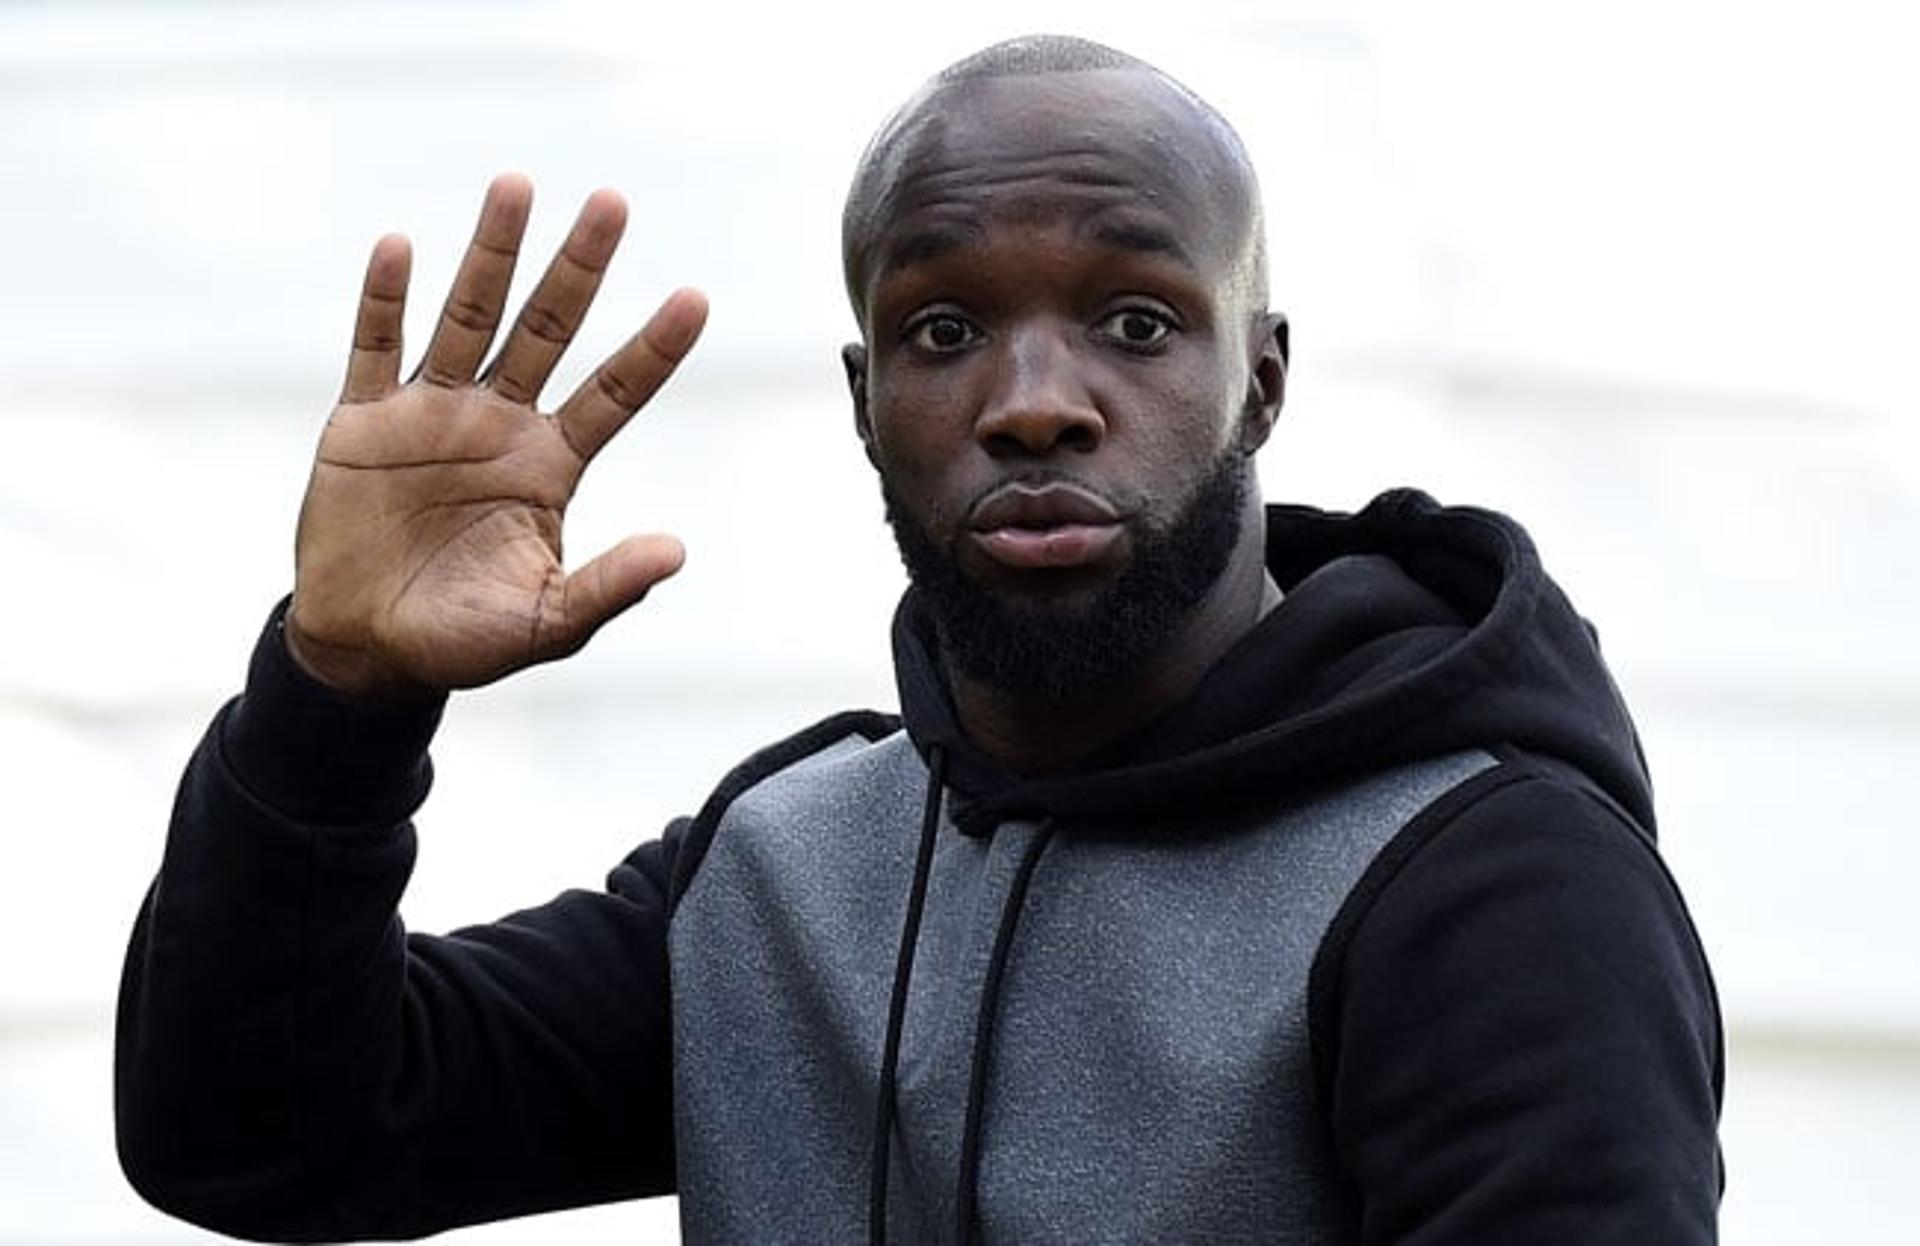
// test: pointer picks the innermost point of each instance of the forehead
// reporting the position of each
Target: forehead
(1118, 152)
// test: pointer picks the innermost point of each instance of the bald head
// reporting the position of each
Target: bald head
(1048, 101)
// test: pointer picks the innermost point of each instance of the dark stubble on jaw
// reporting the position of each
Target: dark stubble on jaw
(1057, 651)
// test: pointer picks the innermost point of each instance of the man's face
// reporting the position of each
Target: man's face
(1062, 379)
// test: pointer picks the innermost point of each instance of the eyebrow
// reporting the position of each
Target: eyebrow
(1136, 236)
(930, 243)
(937, 241)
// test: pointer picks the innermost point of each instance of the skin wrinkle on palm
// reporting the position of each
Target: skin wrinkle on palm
(428, 555)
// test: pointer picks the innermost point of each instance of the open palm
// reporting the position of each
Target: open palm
(429, 549)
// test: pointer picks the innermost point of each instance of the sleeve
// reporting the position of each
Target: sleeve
(1525, 1043)
(290, 1064)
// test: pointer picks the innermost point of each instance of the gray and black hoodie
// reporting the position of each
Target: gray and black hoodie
(1366, 941)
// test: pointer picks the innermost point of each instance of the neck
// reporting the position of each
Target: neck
(1036, 737)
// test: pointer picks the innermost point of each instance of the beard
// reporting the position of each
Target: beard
(1059, 648)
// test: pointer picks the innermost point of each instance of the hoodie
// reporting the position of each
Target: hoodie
(1366, 940)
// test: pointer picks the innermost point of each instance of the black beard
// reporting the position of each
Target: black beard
(1059, 651)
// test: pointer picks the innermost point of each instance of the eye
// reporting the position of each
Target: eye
(942, 333)
(1137, 328)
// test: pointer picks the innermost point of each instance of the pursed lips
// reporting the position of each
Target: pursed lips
(1029, 526)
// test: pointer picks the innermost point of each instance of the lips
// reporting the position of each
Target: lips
(1029, 527)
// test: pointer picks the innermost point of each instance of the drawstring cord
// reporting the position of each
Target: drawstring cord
(897, 1010)
(967, 1187)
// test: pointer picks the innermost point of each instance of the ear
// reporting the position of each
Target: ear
(1266, 380)
(853, 357)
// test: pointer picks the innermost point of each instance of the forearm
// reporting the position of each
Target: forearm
(267, 967)
(291, 1064)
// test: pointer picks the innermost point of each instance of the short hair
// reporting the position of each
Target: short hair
(1025, 55)
(1040, 54)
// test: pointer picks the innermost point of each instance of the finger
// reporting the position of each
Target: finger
(373, 366)
(606, 400)
(472, 311)
(552, 315)
(611, 583)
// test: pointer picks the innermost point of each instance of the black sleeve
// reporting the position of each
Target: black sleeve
(291, 1065)
(1516, 1031)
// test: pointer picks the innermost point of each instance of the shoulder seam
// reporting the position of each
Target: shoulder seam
(1323, 979)
(1323, 976)
(868, 724)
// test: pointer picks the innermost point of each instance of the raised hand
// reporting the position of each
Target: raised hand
(428, 555)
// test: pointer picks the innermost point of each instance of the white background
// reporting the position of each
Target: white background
(1642, 274)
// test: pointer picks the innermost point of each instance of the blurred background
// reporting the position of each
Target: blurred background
(1642, 274)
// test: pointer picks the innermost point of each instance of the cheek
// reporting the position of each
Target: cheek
(919, 416)
(919, 446)
(1174, 413)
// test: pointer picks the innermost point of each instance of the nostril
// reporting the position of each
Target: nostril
(1040, 430)
(1079, 437)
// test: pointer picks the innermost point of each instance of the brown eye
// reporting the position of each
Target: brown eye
(1136, 328)
(942, 333)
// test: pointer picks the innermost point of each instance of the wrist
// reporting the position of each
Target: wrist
(347, 670)
(321, 754)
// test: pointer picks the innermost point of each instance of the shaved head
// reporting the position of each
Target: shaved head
(1182, 141)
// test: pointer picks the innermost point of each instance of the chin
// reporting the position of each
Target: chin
(1056, 589)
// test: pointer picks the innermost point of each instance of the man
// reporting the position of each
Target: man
(1233, 874)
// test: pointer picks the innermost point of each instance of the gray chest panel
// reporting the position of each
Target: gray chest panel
(1150, 1076)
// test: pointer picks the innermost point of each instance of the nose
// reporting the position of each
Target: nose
(1040, 401)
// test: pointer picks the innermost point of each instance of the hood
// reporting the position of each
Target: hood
(1407, 630)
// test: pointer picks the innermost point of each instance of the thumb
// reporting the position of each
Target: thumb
(615, 580)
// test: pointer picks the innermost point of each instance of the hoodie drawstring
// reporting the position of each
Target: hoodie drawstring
(897, 1010)
(966, 1187)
